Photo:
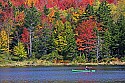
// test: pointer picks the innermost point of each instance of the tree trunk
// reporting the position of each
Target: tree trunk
(97, 53)
(30, 51)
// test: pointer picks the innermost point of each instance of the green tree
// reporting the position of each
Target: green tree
(19, 51)
(59, 36)
(70, 49)
(107, 44)
(103, 17)
(32, 19)
(118, 37)
(89, 10)
(46, 10)
(43, 43)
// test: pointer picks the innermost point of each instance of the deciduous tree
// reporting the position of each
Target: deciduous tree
(86, 36)
(7, 21)
(3, 41)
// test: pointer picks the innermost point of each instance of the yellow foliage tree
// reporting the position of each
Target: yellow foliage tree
(96, 4)
(51, 15)
(19, 51)
(60, 37)
(3, 40)
(117, 10)
(29, 2)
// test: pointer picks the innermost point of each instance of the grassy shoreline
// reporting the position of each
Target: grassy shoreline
(47, 63)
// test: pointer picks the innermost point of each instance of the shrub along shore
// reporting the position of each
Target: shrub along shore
(35, 63)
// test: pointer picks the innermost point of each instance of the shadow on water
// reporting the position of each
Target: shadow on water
(103, 74)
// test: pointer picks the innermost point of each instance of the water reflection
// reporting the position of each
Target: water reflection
(108, 74)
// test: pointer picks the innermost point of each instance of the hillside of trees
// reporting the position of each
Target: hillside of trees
(74, 30)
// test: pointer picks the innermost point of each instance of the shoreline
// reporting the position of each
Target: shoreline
(46, 63)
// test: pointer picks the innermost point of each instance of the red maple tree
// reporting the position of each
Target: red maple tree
(62, 4)
(6, 11)
(65, 4)
(110, 1)
(17, 2)
(86, 36)
(25, 36)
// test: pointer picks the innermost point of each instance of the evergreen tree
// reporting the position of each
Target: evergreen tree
(70, 49)
(89, 10)
(103, 16)
(19, 51)
(118, 37)
(32, 19)
(43, 43)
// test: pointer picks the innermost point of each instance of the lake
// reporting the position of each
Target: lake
(103, 74)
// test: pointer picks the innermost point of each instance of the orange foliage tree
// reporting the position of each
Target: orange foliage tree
(86, 37)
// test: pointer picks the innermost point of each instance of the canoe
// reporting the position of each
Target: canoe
(76, 70)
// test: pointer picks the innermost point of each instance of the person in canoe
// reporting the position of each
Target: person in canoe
(88, 68)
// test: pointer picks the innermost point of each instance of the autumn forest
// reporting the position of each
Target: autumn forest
(73, 30)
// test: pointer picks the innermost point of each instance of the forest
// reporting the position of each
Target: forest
(73, 30)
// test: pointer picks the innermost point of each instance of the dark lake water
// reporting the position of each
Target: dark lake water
(103, 74)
